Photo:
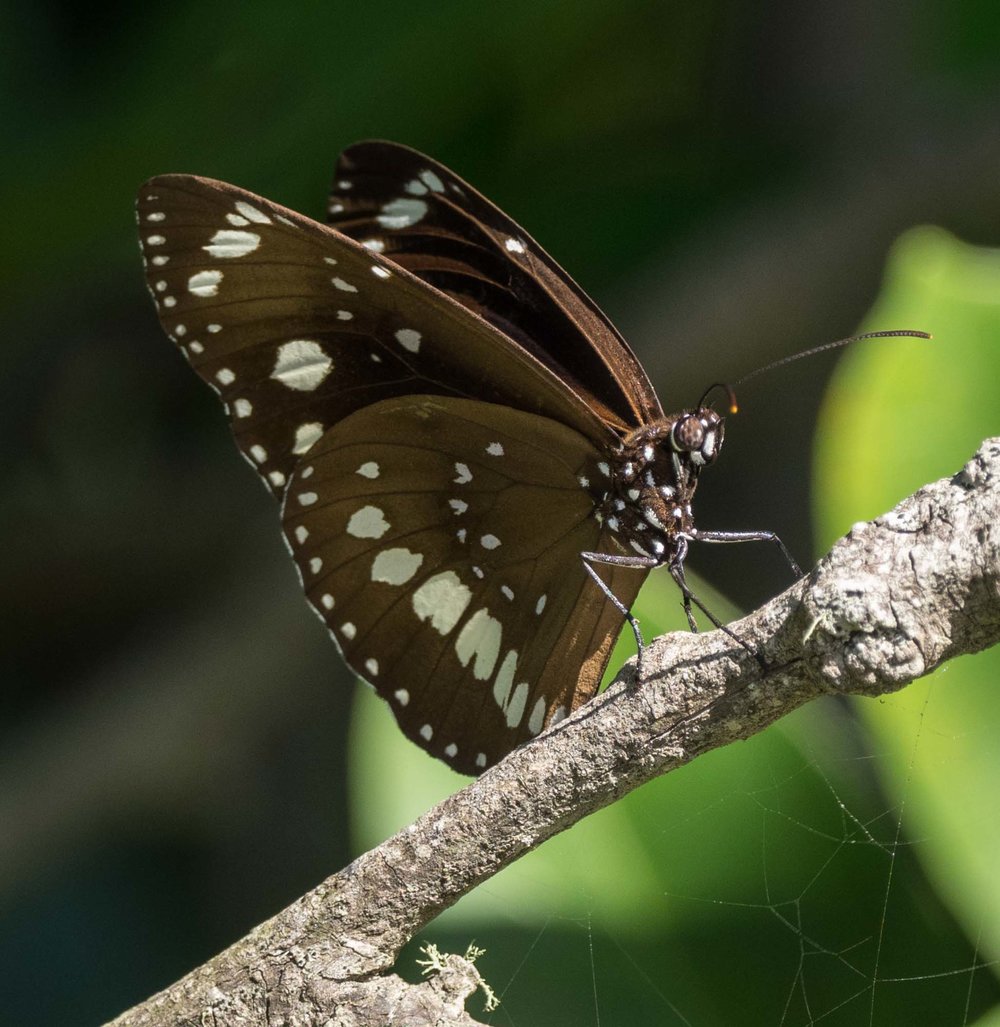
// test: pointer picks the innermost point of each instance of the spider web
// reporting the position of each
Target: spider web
(782, 881)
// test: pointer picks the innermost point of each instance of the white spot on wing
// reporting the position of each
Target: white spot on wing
(368, 470)
(514, 245)
(306, 436)
(396, 566)
(259, 453)
(464, 474)
(368, 522)
(504, 680)
(371, 665)
(409, 339)
(427, 732)
(381, 272)
(301, 534)
(327, 601)
(481, 759)
(494, 449)
(302, 364)
(224, 376)
(348, 629)
(402, 696)
(479, 637)
(515, 710)
(431, 180)
(243, 407)
(489, 541)
(251, 213)
(442, 599)
(540, 605)
(205, 283)
(307, 498)
(458, 505)
(343, 286)
(229, 242)
(402, 213)
(537, 718)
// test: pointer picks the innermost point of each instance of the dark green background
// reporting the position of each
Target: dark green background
(726, 179)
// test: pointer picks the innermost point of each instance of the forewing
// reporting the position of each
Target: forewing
(297, 326)
(439, 539)
(426, 219)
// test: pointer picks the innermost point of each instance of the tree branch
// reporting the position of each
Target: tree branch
(891, 601)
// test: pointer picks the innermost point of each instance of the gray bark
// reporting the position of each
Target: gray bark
(891, 601)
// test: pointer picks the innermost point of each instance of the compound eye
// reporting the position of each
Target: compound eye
(687, 434)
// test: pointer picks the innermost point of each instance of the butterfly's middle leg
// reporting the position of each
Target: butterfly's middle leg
(636, 562)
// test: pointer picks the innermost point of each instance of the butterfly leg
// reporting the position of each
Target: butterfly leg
(748, 536)
(638, 563)
(676, 568)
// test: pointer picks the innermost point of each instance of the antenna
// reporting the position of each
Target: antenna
(891, 334)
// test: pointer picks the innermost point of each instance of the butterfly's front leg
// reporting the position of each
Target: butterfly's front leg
(749, 536)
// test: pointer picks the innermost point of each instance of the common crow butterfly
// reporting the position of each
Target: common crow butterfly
(455, 431)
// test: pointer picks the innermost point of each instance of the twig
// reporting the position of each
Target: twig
(892, 600)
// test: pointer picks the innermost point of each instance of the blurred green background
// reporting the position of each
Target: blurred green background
(181, 754)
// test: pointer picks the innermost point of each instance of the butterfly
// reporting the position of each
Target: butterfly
(457, 435)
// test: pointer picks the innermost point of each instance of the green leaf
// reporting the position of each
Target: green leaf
(901, 413)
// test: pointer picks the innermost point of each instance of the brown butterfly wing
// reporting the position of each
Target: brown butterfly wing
(425, 218)
(296, 326)
(439, 541)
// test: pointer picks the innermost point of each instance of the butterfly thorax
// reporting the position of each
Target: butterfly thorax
(653, 479)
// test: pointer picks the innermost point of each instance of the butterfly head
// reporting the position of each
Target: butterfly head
(653, 479)
(697, 435)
